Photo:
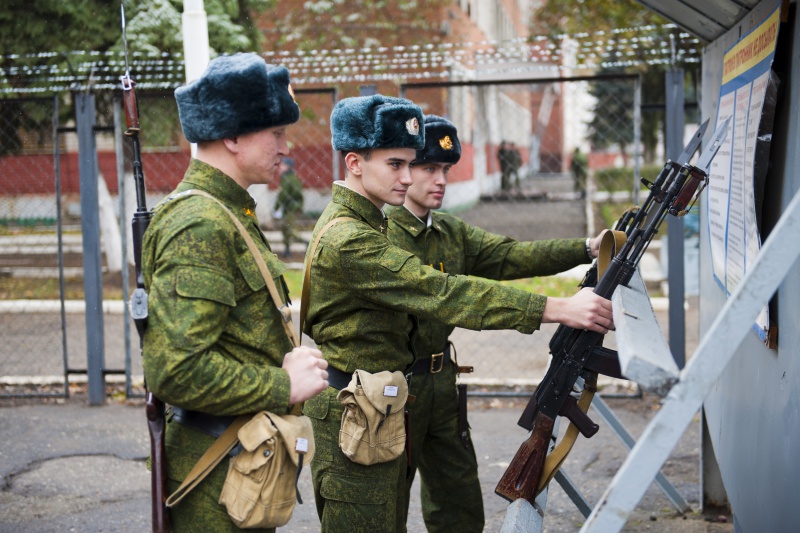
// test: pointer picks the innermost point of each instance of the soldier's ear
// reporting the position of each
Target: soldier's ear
(353, 163)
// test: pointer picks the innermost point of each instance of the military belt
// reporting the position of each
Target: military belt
(430, 365)
(211, 425)
(338, 379)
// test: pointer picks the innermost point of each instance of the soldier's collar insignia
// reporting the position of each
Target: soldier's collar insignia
(248, 212)
(446, 143)
(412, 126)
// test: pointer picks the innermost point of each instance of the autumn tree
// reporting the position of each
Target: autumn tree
(589, 18)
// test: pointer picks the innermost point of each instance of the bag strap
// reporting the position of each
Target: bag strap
(283, 308)
(307, 274)
(211, 458)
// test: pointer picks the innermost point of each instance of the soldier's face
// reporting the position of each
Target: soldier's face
(386, 175)
(428, 187)
(260, 154)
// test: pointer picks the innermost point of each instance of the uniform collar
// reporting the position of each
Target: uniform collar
(359, 204)
(215, 182)
(410, 222)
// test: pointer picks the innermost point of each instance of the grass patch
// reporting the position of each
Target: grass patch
(19, 288)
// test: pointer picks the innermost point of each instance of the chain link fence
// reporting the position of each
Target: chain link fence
(535, 154)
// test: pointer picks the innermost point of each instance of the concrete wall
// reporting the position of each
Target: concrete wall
(753, 412)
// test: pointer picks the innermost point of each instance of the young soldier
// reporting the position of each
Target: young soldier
(364, 292)
(450, 490)
(215, 347)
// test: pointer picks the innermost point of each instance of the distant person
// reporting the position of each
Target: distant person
(515, 163)
(504, 157)
(289, 204)
(579, 168)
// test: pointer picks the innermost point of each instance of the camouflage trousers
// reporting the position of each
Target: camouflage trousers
(349, 496)
(449, 486)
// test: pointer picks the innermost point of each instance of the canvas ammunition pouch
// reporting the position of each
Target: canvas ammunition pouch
(373, 424)
(260, 489)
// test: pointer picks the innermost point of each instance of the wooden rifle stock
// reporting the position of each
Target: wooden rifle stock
(521, 478)
(154, 409)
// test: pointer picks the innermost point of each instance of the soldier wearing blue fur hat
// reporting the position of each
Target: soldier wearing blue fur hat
(364, 296)
(451, 496)
(215, 346)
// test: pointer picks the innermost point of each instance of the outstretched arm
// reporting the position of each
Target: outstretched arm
(584, 310)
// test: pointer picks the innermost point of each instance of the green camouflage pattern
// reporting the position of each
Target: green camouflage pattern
(452, 246)
(449, 486)
(350, 496)
(290, 203)
(214, 340)
(364, 291)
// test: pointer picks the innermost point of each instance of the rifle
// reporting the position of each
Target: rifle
(154, 408)
(579, 353)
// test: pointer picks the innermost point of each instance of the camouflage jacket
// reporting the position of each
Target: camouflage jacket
(214, 340)
(364, 291)
(452, 246)
(290, 194)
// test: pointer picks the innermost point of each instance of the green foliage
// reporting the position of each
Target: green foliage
(584, 18)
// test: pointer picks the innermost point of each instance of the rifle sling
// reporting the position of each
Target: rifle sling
(555, 459)
(612, 241)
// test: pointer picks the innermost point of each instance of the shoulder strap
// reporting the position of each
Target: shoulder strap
(283, 309)
(211, 458)
(307, 274)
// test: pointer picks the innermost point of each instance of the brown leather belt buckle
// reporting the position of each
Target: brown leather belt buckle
(437, 362)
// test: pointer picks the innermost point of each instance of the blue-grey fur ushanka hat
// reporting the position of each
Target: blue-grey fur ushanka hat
(377, 121)
(441, 142)
(236, 94)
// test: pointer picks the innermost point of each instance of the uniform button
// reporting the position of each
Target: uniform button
(267, 453)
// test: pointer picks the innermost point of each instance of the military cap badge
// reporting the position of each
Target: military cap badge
(446, 143)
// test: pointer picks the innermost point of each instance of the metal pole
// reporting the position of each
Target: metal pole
(92, 260)
(123, 231)
(675, 271)
(60, 236)
(637, 139)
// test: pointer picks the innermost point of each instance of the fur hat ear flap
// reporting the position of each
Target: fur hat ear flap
(377, 121)
(236, 94)
(441, 142)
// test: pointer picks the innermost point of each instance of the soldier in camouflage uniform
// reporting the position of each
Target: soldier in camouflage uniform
(215, 347)
(365, 292)
(289, 204)
(440, 448)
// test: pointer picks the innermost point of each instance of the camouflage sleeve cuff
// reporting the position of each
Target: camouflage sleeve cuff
(280, 391)
(535, 312)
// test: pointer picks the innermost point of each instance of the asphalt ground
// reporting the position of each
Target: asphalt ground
(66, 466)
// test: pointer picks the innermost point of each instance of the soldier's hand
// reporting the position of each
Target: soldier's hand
(594, 244)
(307, 373)
(585, 310)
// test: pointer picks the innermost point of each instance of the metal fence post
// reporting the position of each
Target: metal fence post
(677, 327)
(92, 261)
